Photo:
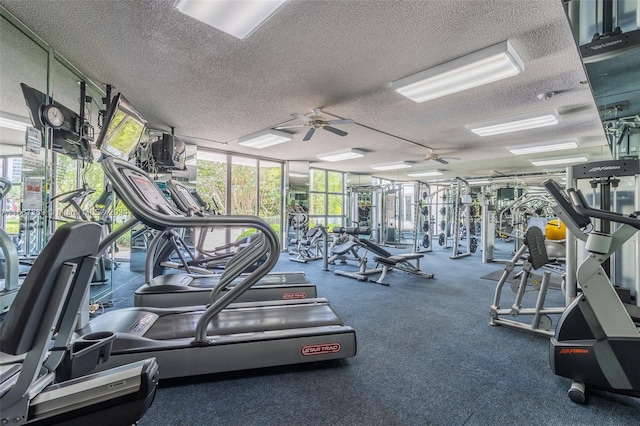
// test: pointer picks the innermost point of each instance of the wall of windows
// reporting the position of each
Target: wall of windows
(240, 185)
(327, 199)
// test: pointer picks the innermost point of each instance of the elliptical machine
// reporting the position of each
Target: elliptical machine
(597, 340)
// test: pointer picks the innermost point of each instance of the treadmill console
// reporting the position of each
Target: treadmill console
(185, 198)
(149, 192)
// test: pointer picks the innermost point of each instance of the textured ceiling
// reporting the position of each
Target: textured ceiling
(340, 56)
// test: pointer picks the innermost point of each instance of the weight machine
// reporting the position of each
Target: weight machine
(10, 262)
(462, 221)
(613, 186)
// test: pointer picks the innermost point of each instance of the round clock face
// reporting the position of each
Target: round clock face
(52, 116)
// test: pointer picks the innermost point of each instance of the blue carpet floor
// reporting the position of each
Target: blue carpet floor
(426, 356)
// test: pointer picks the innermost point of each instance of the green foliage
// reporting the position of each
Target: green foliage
(251, 231)
(210, 183)
(243, 192)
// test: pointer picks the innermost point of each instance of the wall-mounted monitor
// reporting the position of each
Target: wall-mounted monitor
(122, 129)
(169, 153)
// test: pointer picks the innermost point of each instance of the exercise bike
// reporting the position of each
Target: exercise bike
(597, 340)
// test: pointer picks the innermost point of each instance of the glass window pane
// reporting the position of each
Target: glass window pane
(316, 220)
(317, 204)
(335, 182)
(244, 186)
(316, 182)
(270, 193)
(211, 181)
(335, 207)
(333, 222)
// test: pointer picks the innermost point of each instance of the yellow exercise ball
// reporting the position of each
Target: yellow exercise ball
(554, 231)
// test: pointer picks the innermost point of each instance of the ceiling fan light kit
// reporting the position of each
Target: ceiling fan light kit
(482, 67)
(264, 139)
(237, 18)
(316, 122)
(517, 123)
(557, 161)
(392, 166)
(544, 147)
(345, 154)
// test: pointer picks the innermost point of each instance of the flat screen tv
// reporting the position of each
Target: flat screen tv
(169, 153)
(122, 129)
(65, 140)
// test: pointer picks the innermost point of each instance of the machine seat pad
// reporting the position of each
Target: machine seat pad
(375, 249)
(343, 248)
(408, 256)
(537, 248)
(385, 261)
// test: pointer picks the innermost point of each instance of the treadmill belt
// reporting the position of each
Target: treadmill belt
(270, 279)
(183, 325)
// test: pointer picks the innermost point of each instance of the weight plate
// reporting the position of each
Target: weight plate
(473, 246)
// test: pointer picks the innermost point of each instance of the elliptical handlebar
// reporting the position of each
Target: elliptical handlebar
(5, 187)
(582, 207)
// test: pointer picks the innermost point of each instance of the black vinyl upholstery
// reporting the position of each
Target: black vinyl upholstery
(537, 249)
(20, 326)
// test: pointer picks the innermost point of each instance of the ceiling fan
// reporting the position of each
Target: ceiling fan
(437, 157)
(316, 122)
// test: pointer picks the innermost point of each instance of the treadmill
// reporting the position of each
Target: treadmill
(184, 289)
(188, 341)
(43, 374)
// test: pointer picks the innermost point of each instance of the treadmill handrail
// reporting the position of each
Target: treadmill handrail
(162, 220)
(583, 208)
(239, 263)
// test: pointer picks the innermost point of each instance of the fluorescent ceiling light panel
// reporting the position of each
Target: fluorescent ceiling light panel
(517, 123)
(238, 18)
(559, 160)
(482, 67)
(392, 166)
(265, 138)
(345, 154)
(425, 173)
(298, 175)
(544, 147)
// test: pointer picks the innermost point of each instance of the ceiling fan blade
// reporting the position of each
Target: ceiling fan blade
(336, 131)
(301, 117)
(441, 161)
(289, 127)
(309, 134)
(345, 121)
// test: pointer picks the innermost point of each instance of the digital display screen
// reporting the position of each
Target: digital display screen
(122, 130)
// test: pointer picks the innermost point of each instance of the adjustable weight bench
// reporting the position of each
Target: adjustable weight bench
(385, 262)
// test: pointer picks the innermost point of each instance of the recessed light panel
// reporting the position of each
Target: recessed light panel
(544, 147)
(484, 66)
(557, 161)
(264, 139)
(345, 154)
(392, 166)
(238, 18)
(517, 123)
